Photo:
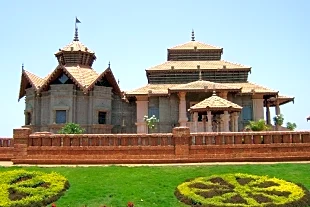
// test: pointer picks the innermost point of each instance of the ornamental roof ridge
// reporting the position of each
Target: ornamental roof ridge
(191, 44)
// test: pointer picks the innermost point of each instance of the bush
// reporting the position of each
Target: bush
(30, 188)
(259, 125)
(71, 128)
(241, 190)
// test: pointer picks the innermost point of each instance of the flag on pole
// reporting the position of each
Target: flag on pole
(77, 20)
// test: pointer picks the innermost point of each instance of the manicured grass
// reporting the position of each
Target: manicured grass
(151, 186)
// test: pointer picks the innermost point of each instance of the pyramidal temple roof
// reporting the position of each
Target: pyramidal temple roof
(192, 44)
(215, 103)
(84, 78)
(75, 46)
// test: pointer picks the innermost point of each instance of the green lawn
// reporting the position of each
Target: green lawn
(150, 186)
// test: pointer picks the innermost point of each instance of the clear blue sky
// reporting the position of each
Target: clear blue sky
(270, 36)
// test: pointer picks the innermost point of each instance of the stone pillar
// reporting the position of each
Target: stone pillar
(220, 128)
(182, 109)
(195, 121)
(225, 121)
(204, 117)
(278, 112)
(210, 116)
(258, 109)
(181, 137)
(232, 122)
(235, 120)
(20, 137)
(142, 110)
(268, 113)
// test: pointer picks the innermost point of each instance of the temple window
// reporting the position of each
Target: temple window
(102, 117)
(154, 111)
(63, 79)
(61, 116)
(247, 113)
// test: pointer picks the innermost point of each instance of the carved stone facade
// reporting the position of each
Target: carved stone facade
(79, 108)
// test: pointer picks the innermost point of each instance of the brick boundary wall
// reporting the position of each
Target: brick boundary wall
(180, 146)
(6, 149)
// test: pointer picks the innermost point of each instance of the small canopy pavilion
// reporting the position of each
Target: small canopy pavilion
(217, 112)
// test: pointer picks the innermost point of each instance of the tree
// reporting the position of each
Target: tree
(259, 125)
(71, 128)
(291, 126)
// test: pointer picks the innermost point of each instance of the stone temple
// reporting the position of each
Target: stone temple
(195, 87)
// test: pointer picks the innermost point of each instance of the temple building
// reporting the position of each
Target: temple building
(197, 89)
(193, 88)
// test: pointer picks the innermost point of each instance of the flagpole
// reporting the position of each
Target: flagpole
(76, 35)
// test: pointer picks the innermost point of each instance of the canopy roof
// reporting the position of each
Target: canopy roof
(165, 89)
(203, 86)
(250, 88)
(151, 89)
(215, 103)
(281, 99)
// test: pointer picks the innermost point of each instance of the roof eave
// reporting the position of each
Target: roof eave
(195, 69)
(230, 109)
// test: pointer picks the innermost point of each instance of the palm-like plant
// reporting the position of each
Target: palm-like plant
(291, 126)
(259, 125)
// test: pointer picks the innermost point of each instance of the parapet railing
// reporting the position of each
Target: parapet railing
(6, 142)
(265, 137)
(87, 140)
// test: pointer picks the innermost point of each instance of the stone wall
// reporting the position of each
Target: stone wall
(247, 111)
(6, 149)
(81, 108)
(168, 113)
(124, 116)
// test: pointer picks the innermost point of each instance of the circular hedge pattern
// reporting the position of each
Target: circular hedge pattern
(242, 190)
(30, 188)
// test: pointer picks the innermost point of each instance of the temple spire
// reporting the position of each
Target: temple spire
(193, 35)
(76, 35)
(22, 66)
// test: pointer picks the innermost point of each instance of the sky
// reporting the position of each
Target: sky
(271, 36)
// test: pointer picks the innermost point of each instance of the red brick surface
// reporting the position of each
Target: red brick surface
(178, 147)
